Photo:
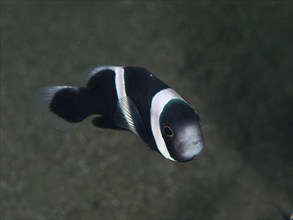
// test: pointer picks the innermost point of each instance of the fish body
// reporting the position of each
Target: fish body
(128, 98)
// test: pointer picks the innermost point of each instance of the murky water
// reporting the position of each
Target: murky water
(232, 62)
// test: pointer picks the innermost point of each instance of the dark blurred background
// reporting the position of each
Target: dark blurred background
(231, 61)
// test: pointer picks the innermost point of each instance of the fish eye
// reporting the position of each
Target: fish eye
(168, 131)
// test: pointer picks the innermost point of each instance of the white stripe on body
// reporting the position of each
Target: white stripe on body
(121, 94)
(119, 82)
(159, 101)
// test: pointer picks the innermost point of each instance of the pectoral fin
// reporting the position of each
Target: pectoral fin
(128, 117)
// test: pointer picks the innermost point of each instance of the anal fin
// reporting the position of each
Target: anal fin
(104, 122)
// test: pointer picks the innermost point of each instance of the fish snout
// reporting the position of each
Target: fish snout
(188, 144)
(189, 150)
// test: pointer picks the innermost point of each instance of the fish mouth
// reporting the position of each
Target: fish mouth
(197, 142)
(195, 146)
(187, 151)
(194, 143)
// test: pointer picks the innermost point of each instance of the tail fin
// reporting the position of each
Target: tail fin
(65, 106)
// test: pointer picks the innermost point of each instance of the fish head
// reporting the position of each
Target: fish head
(181, 131)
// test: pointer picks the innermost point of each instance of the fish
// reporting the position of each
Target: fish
(128, 98)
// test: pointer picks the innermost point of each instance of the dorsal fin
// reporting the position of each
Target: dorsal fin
(97, 69)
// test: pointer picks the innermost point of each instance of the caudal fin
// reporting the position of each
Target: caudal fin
(64, 106)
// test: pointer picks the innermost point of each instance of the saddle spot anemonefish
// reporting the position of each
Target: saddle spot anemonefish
(128, 98)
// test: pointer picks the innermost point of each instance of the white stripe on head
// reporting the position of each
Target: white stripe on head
(122, 96)
(159, 101)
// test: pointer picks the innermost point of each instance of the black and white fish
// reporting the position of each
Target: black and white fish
(128, 98)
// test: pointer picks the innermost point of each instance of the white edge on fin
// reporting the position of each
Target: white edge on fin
(97, 69)
(43, 97)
